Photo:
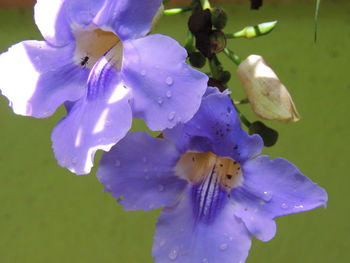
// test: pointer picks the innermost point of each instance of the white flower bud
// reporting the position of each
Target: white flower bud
(269, 98)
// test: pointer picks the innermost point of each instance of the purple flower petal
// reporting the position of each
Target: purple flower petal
(129, 19)
(273, 188)
(140, 168)
(97, 121)
(57, 19)
(179, 237)
(166, 90)
(216, 128)
(37, 78)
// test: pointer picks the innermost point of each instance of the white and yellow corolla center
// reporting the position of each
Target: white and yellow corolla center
(93, 43)
(199, 167)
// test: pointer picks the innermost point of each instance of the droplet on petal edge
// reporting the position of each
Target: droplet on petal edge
(171, 115)
(223, 246)
(169, 81)
(160, 188)
(173, 254)
(168, 94)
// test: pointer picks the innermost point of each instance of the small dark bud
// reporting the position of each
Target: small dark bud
(256, 4)
(218, 18)
(200, 22)
(217, 41)
(215, 83)
(197, 59)
(224, 77)
(200, 26)
(268, 135)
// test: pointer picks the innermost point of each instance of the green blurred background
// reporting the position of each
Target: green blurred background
(50, 215)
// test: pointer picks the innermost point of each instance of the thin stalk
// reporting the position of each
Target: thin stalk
(205, 4)
(318, 3)
(232, 56)
(174, 11)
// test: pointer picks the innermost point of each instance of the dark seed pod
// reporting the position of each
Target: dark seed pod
(218, 18)
(224, 77)
(197, 59)
(268, 135)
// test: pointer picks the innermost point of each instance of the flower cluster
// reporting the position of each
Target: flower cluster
(101, 61)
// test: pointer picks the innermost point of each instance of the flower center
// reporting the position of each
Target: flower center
(92, 44)
(212, 177)
(197, 167)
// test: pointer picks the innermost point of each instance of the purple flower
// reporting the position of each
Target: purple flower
(98, 61)
(215, 189)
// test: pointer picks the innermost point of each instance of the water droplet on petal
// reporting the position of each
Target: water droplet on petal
(173, 254)
(169, 81)
(205, 260)
(223, 246)
(160, 188)
(117, 163)
(171, 115)
(145, 170)
(160, 101)
(74, 160)
(231, 238)
(144, 159)
(267, 196)
(162, 242)
(168, 94)
(143, 72)
(284, 205)
(299, 206)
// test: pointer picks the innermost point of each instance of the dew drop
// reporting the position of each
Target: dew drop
(144, 159)
(173, 254)
(145, 170)
(284, 205)
(231, 238)
(117, 163)
(160, 101)
(162, 242)
(160, 188)
(223, 246)
(143, 72)
(171, 115)
(205, 260)
(267, 196)
(74, 160)
(168, 94)
(299, 206)
(169, 81)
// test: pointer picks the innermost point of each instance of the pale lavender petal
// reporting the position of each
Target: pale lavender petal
(273, 188)
(57, 19)
(216, 128)
(166, 90)
(129, 19)
(97, 121)
(140, 169)
(37, 78)
(180, 238)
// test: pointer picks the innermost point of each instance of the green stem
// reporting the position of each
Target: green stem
(318, 3)
(243, 101)
(242, 117)
(174, 11)
(205, 4)
(213, 68)
(189, 44)
(232, 56)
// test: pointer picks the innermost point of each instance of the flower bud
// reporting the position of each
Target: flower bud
(269, 98)
(218, 18)
(197, 59)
